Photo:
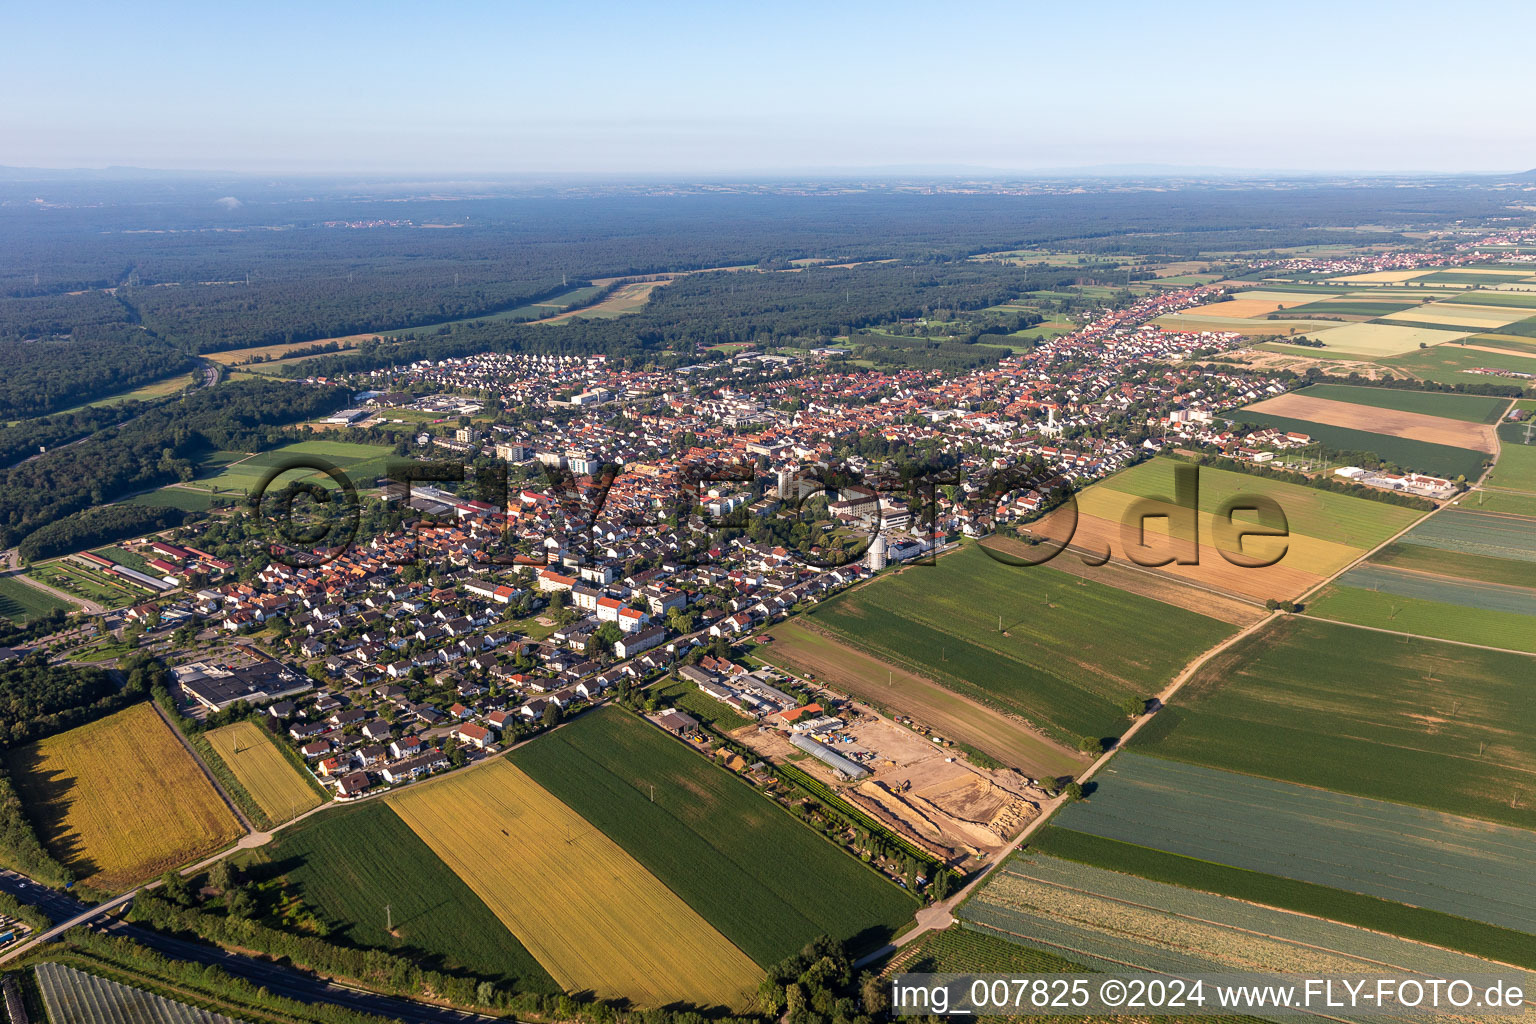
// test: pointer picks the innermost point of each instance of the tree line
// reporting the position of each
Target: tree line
(159, 447)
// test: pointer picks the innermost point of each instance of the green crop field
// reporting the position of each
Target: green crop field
(1374, 913)
(21, 603)
(1069, 650)
(175, 497)
(1467, 408)
(1345, 307)
(1516, 468)
(1405, 854)
(1422, 558)
(767, 882)
(362, 463)
(1525, 300)
(1486, 547)
(1474, 595)
(1477, 533)
(1341, 518)
(1419, 456)
(1425, 616)
(347, 864)
(1389, 717)
(1506, 502)
(1451, 363)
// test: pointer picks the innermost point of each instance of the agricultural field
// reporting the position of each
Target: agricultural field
(735, 857)
(1355, 306)
(1424, 605)
(1442, 405)
(1114, 922)
(144, 392)
(1406, 854)
(1247, 305)
(1336, 518)
(591, 915)
(1375, 339)
(70, 995)
(1515, 299)
(959, 949)
(275, 784)
(1505, 502)
(1451, 364)
(1047, 646)
(1327, 531)
(1404, 719)
(1516, 467)
(1456, 314)
(1427, 444)
(798, 648)
(1469, 543)
(21, 603)
(120, 800)
(1257, 328)
(1417, 923)
(346, 864)
(1135, 580)
(362, 463)
(184, 498)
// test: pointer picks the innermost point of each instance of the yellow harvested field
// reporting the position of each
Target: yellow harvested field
(273, 783)
(1383, 276)
(1499, 351)
(1495, 271)
(1305, 561)
(1412, 425)
(120, 800)
(1238, 325)
(588, 912)
(1382, 339)
(1245, 305)
(1460, 316)
(272, 352)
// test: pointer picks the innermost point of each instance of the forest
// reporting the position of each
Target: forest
(93, 527)
(38, 699)
(695, 312)
(280, 267)
(44, 376)
(160, 446)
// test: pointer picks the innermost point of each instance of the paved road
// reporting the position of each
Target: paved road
(277, 978)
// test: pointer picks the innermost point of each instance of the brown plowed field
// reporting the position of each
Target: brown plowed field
(1414, 426)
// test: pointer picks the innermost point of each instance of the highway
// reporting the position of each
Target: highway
(281, 980)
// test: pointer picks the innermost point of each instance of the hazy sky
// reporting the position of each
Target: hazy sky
(770, 87)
